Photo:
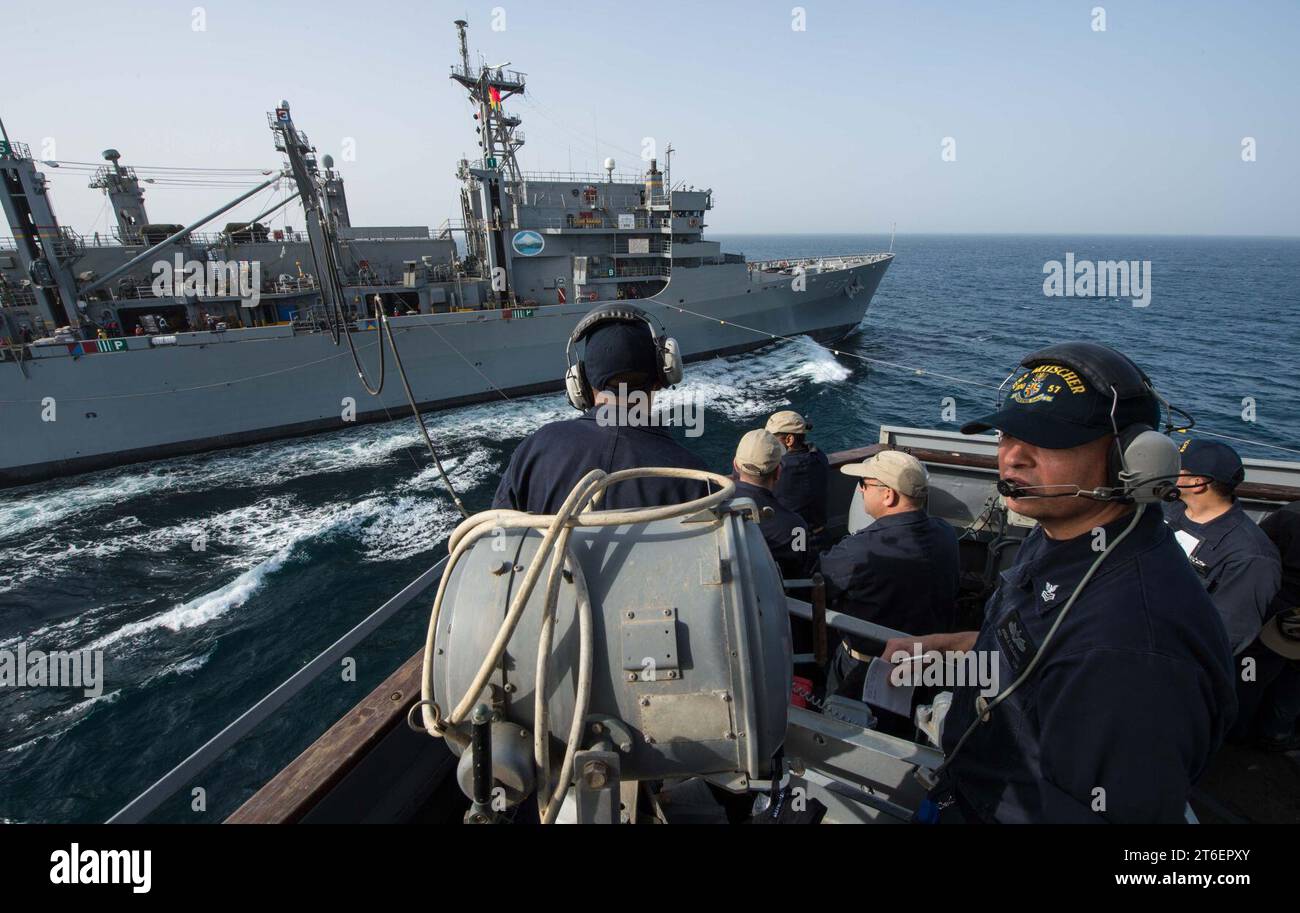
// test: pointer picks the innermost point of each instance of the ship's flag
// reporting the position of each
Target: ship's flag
(494, 98)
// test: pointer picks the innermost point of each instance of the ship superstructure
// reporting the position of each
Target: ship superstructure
(52, 278)
(133, 374)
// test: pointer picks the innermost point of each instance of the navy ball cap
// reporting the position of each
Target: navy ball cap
(616, 348)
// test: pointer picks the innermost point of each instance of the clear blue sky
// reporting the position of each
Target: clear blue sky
(838, 128)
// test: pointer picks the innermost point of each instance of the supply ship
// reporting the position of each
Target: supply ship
(99, 368)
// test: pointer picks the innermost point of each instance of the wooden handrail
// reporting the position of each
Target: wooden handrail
(296, 789)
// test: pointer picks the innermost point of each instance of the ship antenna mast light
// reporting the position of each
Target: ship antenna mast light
(488, 88)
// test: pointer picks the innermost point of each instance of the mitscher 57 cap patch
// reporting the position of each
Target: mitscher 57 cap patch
(1052, 406)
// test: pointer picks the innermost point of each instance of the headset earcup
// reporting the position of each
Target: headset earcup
(1152, 462)
(671, 367)
(1118, 459)
(575, 387)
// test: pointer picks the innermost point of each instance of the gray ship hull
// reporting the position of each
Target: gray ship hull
(66, 414)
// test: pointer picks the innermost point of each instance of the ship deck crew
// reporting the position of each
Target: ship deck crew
(805, 471)
(902, 571)
(1237, 563)
(757, 465)
(1276, 724)
(623, 363)
(1125, 706)
(1273, 725)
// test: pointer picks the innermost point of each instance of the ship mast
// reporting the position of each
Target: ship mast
(488, 88)
(124, 192)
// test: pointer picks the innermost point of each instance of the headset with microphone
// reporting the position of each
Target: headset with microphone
(668, 356)
(1142, 469)
(1143, 465)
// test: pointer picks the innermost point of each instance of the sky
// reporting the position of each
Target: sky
(939, 117)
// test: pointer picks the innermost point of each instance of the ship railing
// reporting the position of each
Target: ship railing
(448, 226)
(657, 246)
(274, 123)
(582, 177)
(661, 200)
(70, 244)
(17, 150)
(494, 74)
(309, 321)
(637, 271)
(208, 238)
(402, 233)
(144, 292)
(815, 264)
(273, 236)
(139, 292)
(114, 238)
(277, 286)
(596, 221)
(665, 199)
(105, 174)
(296, 284)
(17, 297)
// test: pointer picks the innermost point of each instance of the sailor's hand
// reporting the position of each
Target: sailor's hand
(958, 643)
(906, 646)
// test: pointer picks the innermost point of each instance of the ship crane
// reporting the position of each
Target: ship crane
(42, 247)
(321, 222)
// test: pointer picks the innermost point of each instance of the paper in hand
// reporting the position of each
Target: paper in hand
(880, 692)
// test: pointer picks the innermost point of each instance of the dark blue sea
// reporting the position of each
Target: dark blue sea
(306, 537)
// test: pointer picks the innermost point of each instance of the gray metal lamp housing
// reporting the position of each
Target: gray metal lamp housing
(691, 670)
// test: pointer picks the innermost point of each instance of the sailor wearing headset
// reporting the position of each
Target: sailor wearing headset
(626, 355)
(1115, 674)
(1238, 565)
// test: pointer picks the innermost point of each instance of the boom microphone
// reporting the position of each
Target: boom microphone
(1009, 489)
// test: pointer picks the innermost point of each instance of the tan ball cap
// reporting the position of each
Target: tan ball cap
(900, 471)
(788, 422)
(759, 453)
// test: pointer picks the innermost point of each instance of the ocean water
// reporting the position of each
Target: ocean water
(303, 538)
